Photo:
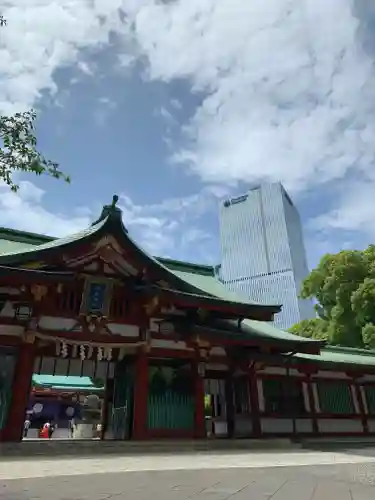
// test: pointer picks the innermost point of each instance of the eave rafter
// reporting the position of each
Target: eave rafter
(23, 276)
(206, 305)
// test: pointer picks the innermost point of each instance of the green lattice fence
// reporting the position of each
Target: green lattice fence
(5, 398)
(370, 398)
(284, 396)
(7, 364)
(335, 397)
(171, 410)
(122, 407)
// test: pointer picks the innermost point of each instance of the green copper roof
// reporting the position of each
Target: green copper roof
(29, 251)
(331, 355)
(200, 278)
(187, 277)
(65, 383)
(210, 285)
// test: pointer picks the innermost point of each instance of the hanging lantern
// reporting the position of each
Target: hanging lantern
(23, 312)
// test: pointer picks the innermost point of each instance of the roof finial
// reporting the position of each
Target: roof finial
(114, 200)
(110, 211)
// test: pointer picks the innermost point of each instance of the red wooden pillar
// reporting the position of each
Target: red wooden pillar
(140, 395)
(199, 416)
(254, 402)
(20, 393)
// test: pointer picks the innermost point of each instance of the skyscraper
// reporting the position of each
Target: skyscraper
(262, 251)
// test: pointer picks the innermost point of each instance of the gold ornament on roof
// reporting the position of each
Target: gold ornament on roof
(29, 337)
(152, 305)
(38, 292)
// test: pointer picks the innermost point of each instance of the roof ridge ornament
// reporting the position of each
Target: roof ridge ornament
(110, 211)
(114, 201)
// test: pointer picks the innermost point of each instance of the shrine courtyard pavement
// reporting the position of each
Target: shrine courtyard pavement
(293, 475)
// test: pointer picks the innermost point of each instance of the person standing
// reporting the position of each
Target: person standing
(52, 429)
(45, 432)
(72, 425)
(26, 427)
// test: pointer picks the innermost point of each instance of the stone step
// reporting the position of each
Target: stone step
(68, 447)
(338, 442)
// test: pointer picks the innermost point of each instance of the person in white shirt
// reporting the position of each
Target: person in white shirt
(26, 427)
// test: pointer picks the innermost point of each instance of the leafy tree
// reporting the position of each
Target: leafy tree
(18, 150)
(343, 285)
(311, 328)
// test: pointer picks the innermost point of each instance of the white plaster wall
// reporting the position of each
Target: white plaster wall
(260, 394)
(217, 367)
(306, 398)
(239, 373)
(124, 330)
(328, 374)
(276, 425)
(281, 370)
(8, 310)
(304, 425)
(169, 344)
(53, 323)
(333, 425)
(355, 399)
(296, 373)
(371, 424)
(9, 290)
(12, 330)
(218, 351)
(220, 428)
(214, 387)
(243, 425)
(274, 370)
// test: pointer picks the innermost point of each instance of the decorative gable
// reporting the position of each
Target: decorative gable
(105, 256)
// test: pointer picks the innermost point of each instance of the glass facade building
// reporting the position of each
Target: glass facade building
(262, 251)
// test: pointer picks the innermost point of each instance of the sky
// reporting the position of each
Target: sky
(175, 105)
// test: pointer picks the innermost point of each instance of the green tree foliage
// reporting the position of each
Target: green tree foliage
(18, 150)
(343, 286)
(312, 328)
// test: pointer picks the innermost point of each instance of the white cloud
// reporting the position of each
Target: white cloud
(289, 97)
(174, 227)
(24, 210)
(353, 212)
(288, 85)
(44, 35)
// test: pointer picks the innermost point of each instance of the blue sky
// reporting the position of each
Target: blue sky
(175, 105)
